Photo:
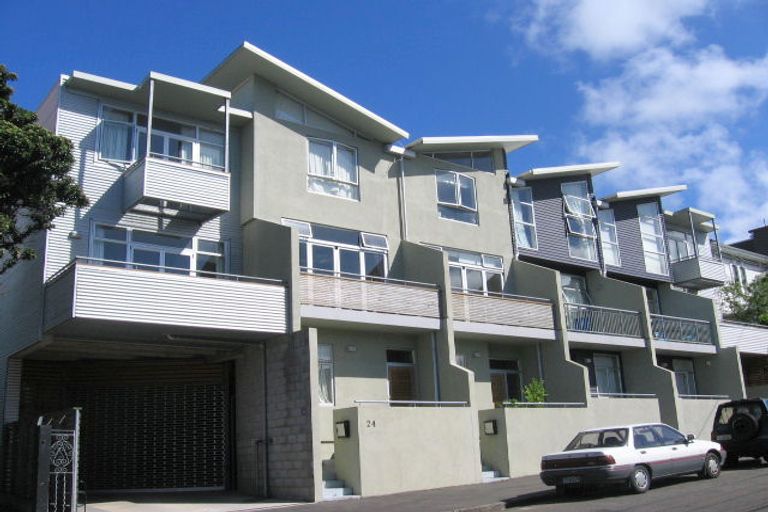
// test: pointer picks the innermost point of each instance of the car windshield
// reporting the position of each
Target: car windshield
(607, 438)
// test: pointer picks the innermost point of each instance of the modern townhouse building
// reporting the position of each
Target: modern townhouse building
(268, 293)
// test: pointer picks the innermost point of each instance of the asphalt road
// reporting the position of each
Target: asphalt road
(742, 489)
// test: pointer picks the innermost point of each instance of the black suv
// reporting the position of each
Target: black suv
(741, 427)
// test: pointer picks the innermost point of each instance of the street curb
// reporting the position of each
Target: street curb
(500, 506)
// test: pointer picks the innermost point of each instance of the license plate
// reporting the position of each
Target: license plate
(571, 480)
(724, 437)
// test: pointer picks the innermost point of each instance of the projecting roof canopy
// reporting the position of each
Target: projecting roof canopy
(568, 170)
(248, 60)
(643, 193)
(471, 143)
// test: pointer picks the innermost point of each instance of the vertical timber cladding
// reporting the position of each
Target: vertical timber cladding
(145, 424)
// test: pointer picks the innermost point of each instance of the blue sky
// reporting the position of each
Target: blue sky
(675, 90)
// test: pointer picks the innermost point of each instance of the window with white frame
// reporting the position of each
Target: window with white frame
(579, 220)
(145, 250)
(340, 252)
(475, 272)
(575, 289)
(480, 160)
(325, 370)
(333, 169)
(123, 138)
(456, 196)
(525, 220)
(294, 111)
(652, 234)
(681, 246)
(609, 238)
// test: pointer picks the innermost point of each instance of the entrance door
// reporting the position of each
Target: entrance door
(505, 380)
(401, 375)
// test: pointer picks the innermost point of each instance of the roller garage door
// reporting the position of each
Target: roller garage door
(145, 424)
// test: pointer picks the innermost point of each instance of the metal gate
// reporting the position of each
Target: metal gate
(58, 449)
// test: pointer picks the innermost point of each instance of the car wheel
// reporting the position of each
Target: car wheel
(640, 479)
(744, 426)
(731, 461)
(711, 467)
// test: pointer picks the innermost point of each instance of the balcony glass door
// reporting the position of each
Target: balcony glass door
(607, 373)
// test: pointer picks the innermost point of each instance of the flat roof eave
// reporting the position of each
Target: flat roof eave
(592, 169)
(508, 143)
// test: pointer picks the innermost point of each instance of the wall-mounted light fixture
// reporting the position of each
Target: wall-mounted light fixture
(351, 348)
(476, 355)
(74, 235)
(342, 429)
(489, 427)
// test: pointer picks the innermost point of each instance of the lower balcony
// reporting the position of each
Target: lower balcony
(603, 325)
(115, 300)
(698, 273)
(502, 314)
(352, 299)
(688, 334)
(175, 189)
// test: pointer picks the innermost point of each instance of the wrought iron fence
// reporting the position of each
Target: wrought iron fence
(684, 330)
(602, 320)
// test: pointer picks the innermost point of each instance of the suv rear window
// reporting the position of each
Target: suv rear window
(727, 411)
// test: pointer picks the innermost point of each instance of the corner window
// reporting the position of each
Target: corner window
(525, 221)
(325, 369)
(333, 170)
(456, 197)
(652, 234)
(475, 272)
(609, 238)
(579, 220)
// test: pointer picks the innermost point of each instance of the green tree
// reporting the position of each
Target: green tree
(535, 391)
(35, 185)
(748, 303)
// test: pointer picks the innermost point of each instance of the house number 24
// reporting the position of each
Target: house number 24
(370, 423)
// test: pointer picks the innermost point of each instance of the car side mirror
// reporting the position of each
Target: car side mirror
(689, 438)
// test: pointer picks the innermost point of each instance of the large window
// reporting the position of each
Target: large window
(456, 197)
(480, 160)
(681, 246)
(475, 272)
(575, 289)
(652, 234)
(505, 380)
(525, 221)
(333, 169)
(579, 220)
(340, 252)
(325, 369)
(685, 376)
(609, 238)
(604, 370)
(116, 246)
(124, 139)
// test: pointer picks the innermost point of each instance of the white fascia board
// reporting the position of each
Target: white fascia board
(238, 112)
(508, 143)
(207, 89)
(109, 82)
(569, 170)
(645, 192)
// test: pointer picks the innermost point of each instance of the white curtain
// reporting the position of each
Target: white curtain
(116, 141)
(346, 166)
(212, 156)
(320, 159)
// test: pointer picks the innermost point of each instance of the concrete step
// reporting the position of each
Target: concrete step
(490, 473)
(495, 479)
(336, 493)
(330, 484)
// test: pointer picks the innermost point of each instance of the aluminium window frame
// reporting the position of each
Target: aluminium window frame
(333, 179)
(605, 241)
(485, 271)
(515, 198)
(579, 217)
(332, 363)
(659, 236)
(489, 152)
(458, 176)
(337, 247)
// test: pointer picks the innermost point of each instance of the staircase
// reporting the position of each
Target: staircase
(491, 475)
(333, 488)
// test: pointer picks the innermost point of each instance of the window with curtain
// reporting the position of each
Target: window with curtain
(333, 169)
(652, 234)
(609, 238)
(579, 220)
(525, 221)
(456, 196)
(117, 134)
(325, 369)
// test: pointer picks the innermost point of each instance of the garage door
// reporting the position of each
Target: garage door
(146, 424)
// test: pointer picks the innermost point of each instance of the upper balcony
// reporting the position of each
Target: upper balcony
(588, 323)
(692, 265)
(181, 188)
(698, 272)
(129, 300)
(369, 300)
(504, 314)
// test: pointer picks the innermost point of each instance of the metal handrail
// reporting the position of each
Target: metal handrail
(500, 295)
(176, 270)
(543, 404)
(347, 276)
(623, 395)
(683, 330)
(602, 320)
(412, 402)
(176, 160)
(705, 397)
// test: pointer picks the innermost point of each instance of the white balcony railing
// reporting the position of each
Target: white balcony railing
(602, 320)
(683, 330)
(699, 271)
(371, 294)
(503, 309)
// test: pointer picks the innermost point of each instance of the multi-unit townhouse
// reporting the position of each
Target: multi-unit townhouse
(272, 295)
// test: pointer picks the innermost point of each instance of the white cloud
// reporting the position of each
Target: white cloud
(606, 29)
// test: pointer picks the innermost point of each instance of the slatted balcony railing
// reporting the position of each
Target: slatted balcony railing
(375, 295)
(684, 330)
(503, 309)
(602, 320)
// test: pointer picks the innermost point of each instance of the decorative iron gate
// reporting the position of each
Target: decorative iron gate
(58, 449)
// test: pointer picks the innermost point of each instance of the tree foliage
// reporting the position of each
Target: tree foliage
(535, 391)
(35, 185)
(748, 303)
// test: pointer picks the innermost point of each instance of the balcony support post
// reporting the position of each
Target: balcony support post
(717, 241)
(693, 234)
(149, 116)
(226, 135)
